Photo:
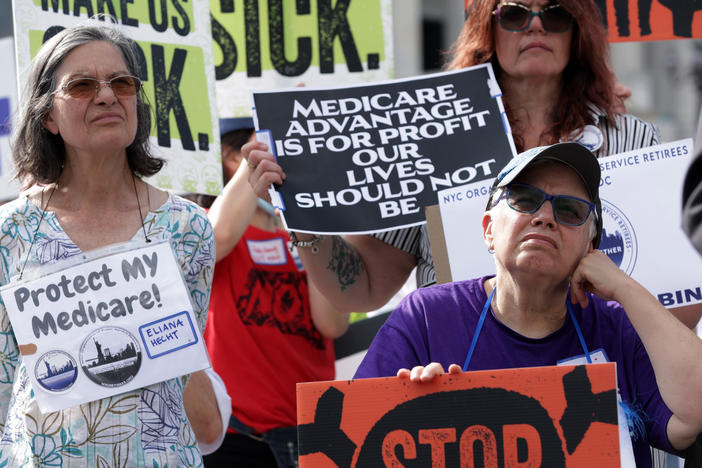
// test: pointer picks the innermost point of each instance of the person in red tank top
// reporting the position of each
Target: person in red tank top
(267, 327)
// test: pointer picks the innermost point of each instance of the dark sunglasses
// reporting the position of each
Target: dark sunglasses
(568, 210)
(87, 88)
(517, 17)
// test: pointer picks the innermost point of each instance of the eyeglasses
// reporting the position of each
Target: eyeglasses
(517, 17)
(87, 88)
(568, 210)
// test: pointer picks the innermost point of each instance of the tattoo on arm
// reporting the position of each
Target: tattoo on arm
(345, 262)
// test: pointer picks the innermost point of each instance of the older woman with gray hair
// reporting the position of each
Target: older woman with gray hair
(81, 147)
(554, 298)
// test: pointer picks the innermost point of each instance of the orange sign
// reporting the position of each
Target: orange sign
(649, 20)
(530, 417)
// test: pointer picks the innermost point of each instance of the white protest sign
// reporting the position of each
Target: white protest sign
(641, 213)
(462, 211)
(114, 323)
(9, 188)
(176, 67)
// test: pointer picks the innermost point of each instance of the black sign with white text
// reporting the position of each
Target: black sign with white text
(369, 158)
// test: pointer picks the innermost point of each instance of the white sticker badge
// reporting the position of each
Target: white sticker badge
(267, 252)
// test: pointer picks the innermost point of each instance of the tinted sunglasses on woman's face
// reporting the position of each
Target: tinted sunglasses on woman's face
(87, 88)
(568, 210)
(517, 17)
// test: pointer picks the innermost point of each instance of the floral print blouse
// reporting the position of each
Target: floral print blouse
(146, 427)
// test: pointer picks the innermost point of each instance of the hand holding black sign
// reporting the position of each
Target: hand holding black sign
(370, 158)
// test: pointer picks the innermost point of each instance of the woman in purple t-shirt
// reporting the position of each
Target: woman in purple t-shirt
(523, 316)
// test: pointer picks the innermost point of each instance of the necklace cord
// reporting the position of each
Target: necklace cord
(141, 216)
(36, 231)
(45, 206)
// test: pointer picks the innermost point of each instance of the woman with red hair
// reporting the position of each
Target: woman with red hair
(551, 61)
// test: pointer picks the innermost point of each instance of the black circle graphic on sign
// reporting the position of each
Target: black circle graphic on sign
(56, 371)
(110, 356)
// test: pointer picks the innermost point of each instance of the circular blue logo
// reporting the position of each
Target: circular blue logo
(56, 371)
(589, 136)
(618, 238)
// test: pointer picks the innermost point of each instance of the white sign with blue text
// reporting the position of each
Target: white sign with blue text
(641, 194)
(117, 320)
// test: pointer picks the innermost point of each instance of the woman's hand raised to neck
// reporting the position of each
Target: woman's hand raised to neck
(532, 307)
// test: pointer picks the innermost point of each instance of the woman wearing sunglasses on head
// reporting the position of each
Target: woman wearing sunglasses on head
(551, 61)
(551, 300)
(81, 147)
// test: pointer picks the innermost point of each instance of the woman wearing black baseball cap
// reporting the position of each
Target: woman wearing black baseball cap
(554, 299)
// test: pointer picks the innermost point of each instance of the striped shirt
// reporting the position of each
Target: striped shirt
(628, 133)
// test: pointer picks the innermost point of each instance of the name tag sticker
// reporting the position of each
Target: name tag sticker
(597, 356)
(168, 334)
(267, 252)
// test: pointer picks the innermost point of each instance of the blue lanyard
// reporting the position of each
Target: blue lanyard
(267, 207)
(483, 314)
(579, 332)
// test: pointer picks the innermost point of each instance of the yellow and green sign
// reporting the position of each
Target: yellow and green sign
(264, 44)
(176, 66)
